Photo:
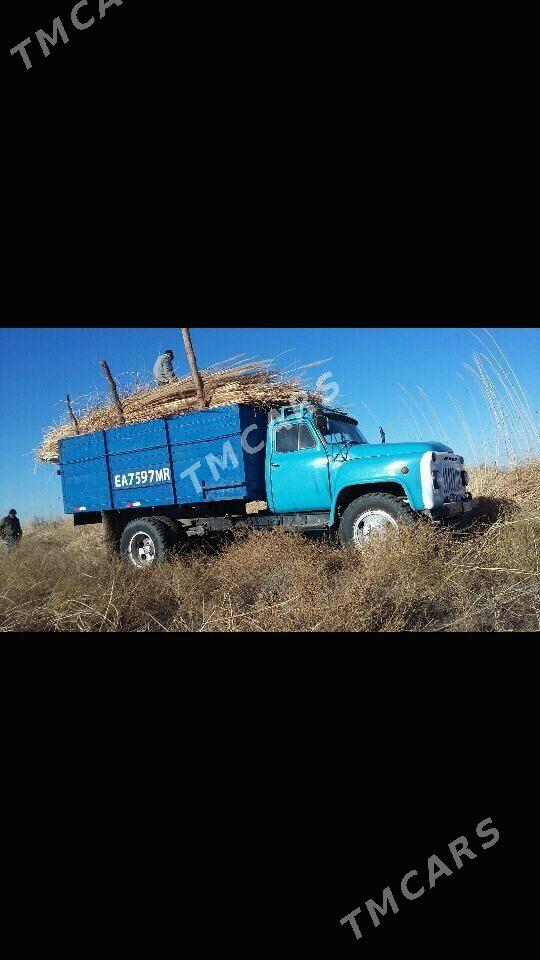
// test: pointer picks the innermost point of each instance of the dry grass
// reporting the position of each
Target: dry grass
(255, 383)
(484, 579)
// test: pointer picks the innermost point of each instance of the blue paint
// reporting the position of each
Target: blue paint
(298, 481)
(381, 463)
(136, 436)
(232, 453)
(86, 483)
(148, 464)
(313, 479)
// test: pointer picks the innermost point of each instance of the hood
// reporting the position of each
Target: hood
(359, 451)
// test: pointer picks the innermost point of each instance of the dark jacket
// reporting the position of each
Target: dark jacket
(10, 528)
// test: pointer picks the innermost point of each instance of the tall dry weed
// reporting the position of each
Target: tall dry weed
(486, 578)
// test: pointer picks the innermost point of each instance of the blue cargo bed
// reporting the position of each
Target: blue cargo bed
(171, 461)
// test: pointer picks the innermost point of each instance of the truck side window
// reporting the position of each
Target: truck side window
(292, 437)
(306, 440)
(287, 438)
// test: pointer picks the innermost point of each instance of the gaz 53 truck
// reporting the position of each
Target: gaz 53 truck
(155, 484)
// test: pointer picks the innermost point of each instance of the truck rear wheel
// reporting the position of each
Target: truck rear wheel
(372, 515)
(145, 542)
(177, 534)
(173, 526)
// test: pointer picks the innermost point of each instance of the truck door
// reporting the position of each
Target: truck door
(298, 469)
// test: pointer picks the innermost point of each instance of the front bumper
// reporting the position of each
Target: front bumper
(464, 510)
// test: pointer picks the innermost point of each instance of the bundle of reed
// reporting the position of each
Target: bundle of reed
(256, 383)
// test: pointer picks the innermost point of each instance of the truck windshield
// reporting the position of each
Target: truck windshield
(342, 431)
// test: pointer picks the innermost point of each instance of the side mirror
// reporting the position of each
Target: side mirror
(383, 435)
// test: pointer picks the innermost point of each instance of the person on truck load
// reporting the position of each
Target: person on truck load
(163, 368)
(10, 530)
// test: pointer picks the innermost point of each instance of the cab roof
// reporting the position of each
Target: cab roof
(304, 409)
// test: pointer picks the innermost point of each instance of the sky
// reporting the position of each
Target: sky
(371, 366)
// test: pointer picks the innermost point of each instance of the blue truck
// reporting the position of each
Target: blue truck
(155, 484)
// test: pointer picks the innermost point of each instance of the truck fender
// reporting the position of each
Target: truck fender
(350, 491)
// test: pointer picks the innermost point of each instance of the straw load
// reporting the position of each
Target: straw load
(256, 383)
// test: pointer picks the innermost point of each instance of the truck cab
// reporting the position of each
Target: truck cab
(318, 459)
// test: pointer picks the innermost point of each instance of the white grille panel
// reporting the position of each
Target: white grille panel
(448, 468)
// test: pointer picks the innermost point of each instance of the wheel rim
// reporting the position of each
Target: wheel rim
(141, 549)
(371, 523)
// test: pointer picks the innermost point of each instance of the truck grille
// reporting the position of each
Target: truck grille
(441, 475)
(450, 478)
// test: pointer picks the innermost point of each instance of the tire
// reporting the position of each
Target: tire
(178, 536)
(172, 525)
(145, 542)
(371, 513)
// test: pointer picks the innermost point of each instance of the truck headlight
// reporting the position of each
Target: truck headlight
(465, 478)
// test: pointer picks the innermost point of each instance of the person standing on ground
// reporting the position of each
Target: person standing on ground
(163, 368)
(10, 530)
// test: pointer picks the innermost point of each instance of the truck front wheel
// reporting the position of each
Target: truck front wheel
(371, 515)
(145, 542)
